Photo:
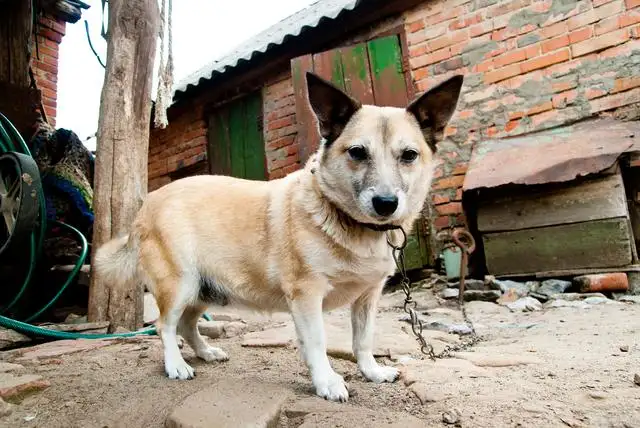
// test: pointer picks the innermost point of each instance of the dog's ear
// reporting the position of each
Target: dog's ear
(332, 107)
(434, 108)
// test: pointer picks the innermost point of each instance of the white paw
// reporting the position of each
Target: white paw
(379, 374)
(332, 388)
(213, 354)
(179, 370)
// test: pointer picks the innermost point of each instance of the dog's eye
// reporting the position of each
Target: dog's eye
(409, 156)
(358, 153)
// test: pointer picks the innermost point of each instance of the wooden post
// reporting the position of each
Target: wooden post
(15, 42)
(122, 147)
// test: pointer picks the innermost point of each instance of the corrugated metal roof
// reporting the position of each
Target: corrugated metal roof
(291, 27)
(551, 156)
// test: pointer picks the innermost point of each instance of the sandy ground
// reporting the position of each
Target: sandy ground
(555, 367)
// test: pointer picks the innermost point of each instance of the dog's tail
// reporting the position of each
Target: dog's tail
(116, 261)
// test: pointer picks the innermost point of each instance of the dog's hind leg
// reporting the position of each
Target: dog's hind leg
(177, 294)
(188, 329)
(363, 312)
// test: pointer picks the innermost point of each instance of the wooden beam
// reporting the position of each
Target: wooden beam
(15, 43)
(123, 144)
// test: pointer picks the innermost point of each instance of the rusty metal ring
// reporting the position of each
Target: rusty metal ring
(459, 235)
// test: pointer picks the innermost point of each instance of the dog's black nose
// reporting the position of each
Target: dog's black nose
(385, 205)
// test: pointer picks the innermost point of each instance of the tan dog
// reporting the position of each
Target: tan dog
(312, 241)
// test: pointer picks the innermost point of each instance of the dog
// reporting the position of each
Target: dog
(313, 241)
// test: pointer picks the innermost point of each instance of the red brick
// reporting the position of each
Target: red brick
(625, 83)
(454, 182)
(554, 30)
(50, 102)
(511, 125)
(442, 222)
(635, 32)
(481, 29)
(421, 73)
(630, 4)
(555, 43)
(510, 58)
(280, 142)
(448, 40)
(53, 69)
(48, 93)
(280, 123)
(502, 73)
(629, 18)
(291, 168)
(51, 35)
(431, 58)
(597, 3)
(418, 50)
(450, 208)
(615, 101)
(484, 66)
(458, 196)
(506, 7)
(461, 168)
(275, 174)
(465, 22)
(561, 100)
(599, 43)
(281, 163)
(503, 34)
(45, 50)
(440, 199)
(416, 26)
(545, 60)
(592, 93)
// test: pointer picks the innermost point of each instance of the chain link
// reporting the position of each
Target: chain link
(410, 305)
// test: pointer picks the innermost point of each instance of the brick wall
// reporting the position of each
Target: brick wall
(281, 145)
(528, 65)
(45, 62)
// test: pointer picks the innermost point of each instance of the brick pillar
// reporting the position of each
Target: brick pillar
(44, 62)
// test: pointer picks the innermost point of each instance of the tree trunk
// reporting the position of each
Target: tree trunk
(122, 147)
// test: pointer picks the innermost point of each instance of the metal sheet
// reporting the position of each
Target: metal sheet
(551, 156)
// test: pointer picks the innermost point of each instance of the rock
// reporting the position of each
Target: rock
(597, 395)
(525, 304)
(151, 311)
(553, 286)
(624, 348)
(450, 293)
(231, 403)
(426, 394)
(493, 360)
(12, 339)
(533, 285)
(311, 404)
(484, 296)
(453, 328)
(469, 284)
(629, 299)
(451, 416)
(77, 327)
(542, 297)
(61, 347)
(274, 338)
(519, 288)
(13, 387)
(9, 367)
(597, 300)
(566, 304)
(5, 408)
(234, 328)
(211, 329)
(75, 319)
(636, 379)
(576, 296)
(361, 418)
(615, 281)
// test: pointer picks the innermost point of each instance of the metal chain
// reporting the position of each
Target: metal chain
(410, 304)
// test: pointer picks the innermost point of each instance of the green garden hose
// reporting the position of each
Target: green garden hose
(8, 134)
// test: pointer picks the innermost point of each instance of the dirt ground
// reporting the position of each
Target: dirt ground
(566, 366)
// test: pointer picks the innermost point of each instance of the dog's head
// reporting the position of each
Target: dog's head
(376, 163)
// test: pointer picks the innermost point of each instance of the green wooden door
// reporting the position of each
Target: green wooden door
(236, 144)
(371, 72)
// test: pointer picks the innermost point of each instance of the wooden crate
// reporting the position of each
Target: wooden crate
(581, 224)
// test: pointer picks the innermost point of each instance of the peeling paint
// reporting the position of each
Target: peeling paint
(529, 16)
(475, 52)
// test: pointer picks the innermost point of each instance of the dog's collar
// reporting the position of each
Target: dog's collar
(371, 226)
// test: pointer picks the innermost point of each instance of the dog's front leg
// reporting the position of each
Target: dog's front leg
(306, 310)
(363, 312)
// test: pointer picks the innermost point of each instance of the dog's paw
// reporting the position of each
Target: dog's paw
(211, 354)
(332, 388)
(179, 370)
(380, 374)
